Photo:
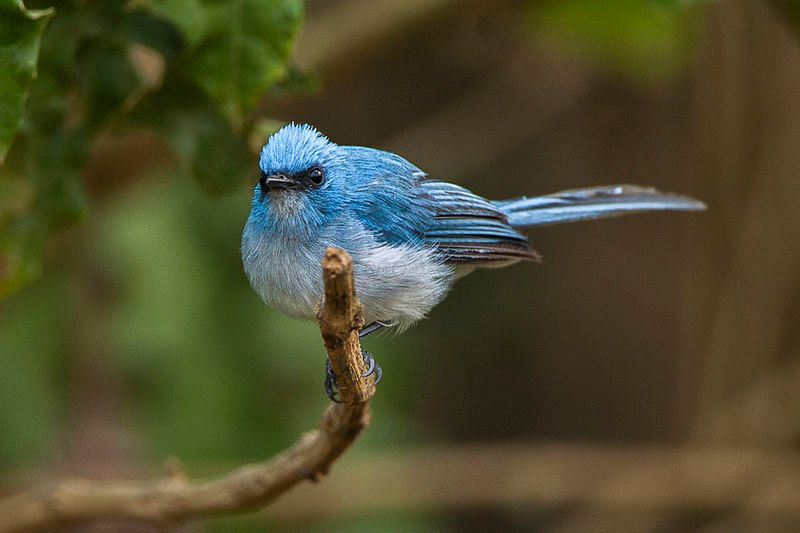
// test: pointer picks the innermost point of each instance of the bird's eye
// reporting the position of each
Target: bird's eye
(316, 176)
(262, 181)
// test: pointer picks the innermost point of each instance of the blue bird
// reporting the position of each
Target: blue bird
(410, 236)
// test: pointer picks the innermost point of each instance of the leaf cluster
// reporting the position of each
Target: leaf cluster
(190, 70)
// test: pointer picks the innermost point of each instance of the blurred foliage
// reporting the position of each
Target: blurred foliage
(19, 48)
(192, 70)
(237, 48)
(640, 39)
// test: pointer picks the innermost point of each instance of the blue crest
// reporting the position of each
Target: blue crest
(295, 148)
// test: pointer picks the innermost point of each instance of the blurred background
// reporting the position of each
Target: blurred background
(644, 377)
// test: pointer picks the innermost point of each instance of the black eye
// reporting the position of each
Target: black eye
(262, 181)
(316, 176)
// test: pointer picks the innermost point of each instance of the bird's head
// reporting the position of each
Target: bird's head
(302, 177)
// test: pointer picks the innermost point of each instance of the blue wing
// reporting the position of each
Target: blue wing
(397, 203)
(468, 228)
(385, 198)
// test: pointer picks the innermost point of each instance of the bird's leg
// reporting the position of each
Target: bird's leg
(332, 388)
(374, 326)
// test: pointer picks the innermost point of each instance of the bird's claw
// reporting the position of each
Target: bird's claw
(332, 389)
(372, 367)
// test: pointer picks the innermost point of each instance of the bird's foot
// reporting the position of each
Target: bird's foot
(332, 388)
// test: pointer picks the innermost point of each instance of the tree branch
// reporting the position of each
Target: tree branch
(174, 500)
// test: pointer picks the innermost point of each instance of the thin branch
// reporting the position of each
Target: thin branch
(174, 500)
(340, 318)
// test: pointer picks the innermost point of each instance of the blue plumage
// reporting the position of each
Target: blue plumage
(410, 236)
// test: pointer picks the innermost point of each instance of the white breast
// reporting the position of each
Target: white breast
(396, 283)
(286, 275)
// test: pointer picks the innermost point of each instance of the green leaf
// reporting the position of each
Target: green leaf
(193, 70)
(206, 145)
(237, 48)
(20, 34)
(49, 99)
(188, 16)
(154, 33)
(107, 77)
(55, 170)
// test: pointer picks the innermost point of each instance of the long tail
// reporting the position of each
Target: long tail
(596, 202)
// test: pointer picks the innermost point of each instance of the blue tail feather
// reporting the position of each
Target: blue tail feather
(592, 203)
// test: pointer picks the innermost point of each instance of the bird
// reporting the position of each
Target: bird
(410, 236)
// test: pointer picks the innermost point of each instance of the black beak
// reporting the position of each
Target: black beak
(277, 181)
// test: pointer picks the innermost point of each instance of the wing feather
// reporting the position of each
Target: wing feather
(469, 228)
